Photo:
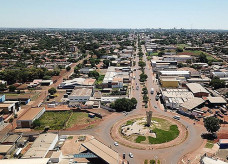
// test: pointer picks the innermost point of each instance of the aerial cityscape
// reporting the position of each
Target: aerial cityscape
(124, 82)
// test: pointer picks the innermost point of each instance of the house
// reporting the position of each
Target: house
(11, 139)
(197, 90)
(46, 82)
(41, 146)
(7, 108)
(31, 115)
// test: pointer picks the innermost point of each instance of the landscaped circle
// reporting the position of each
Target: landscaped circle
(160, 131)
(163, 132)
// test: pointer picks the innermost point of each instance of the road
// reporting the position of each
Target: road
(168, 155)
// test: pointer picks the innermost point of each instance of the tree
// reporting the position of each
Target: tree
(143, 77)
(134, 101)
(141, 64)
(36, 123)
(52, 91)
(203, 58)
(68, 68)
(124, 104)
(216, 83)
(106, 63)
(160, 54)
(212, 124)
(94, 74)
(12, 88)
(179, 49)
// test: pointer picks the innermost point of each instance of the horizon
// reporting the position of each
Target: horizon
(202, 15)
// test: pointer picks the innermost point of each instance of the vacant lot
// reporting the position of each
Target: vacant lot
(55, 120)
(79, 118)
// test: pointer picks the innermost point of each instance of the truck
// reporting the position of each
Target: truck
(152, 90)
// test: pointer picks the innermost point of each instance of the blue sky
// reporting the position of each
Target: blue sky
(202, 14)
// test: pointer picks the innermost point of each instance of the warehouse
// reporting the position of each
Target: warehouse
(175, 73)
(197, 90)
(42, 145)
(80, 95)
(27, 119)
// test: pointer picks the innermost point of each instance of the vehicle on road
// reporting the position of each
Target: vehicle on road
(116, 144)
(152, 90)
(135, 69)
(176, 117)
(134, 77)
(157, 98)
(131, 155)
(137, 88)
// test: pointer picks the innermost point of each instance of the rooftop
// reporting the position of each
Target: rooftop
(196, 88)
(23, 161)
(31, 113)
(216, 100)
(103, 151)
(40, 146)
(82, 92)
(192, 103)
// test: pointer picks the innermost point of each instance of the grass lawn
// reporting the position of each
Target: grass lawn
(196, 52)
(139, 139)
(163, 136)
(79, 118)
(55, 120)
(209, 144)
(161, 124)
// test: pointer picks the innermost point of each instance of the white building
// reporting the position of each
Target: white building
(175, 73)
(80, 95)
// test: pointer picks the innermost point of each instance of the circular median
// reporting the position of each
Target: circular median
(134, 132)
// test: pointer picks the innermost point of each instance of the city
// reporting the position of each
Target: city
(113, 95)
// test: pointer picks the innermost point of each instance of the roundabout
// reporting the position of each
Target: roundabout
(162, 132)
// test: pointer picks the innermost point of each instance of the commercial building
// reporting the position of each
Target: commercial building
(42, 145)
(197, 90)
(169, 82)
(192, 104)
(31, 115)
(70, 84)
(80, 94)
(102, 151)
(175, 73)
(173, 98)
(25, 161)
(216, 100)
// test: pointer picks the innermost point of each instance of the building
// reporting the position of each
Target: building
(6, 149)
(31, 115)
(86, 70)
(192, 104)
(173, 98)
(223, 143)
(70, 84)
(175, 73)
(104, 152)
(207, 160)
(80, 94)
(169, 82)
(25, 161)
(2, 98)
(197, 90)
(46, 82)
(11, 139)
(216, 101)
(42, 145)
(178, 58)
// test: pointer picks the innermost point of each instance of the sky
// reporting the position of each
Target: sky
(196, 14)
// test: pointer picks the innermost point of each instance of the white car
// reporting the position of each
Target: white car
(116, 144)
(131, 155)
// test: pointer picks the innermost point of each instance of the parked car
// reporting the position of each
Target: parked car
(176, 117)
(131, 155)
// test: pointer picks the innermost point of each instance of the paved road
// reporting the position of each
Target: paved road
(168, 155)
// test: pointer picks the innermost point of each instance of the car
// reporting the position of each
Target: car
(131, 155)
(116, 144)
(137, 88)
(155, 107)
(157, 98)
(176, 117)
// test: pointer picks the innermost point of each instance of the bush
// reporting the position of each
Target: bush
(52, 91)
(152, 161)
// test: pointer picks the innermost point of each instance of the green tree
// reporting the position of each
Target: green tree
(36, 123)
(143, 77)
(52, 91)
(94, 74)
(179, 49)
(106, 63)
(134, 101)
(212, 124)
(12, 88)
(123, 104)
(203, 58)
(68, 68)
(216, 83)
(161, 53)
